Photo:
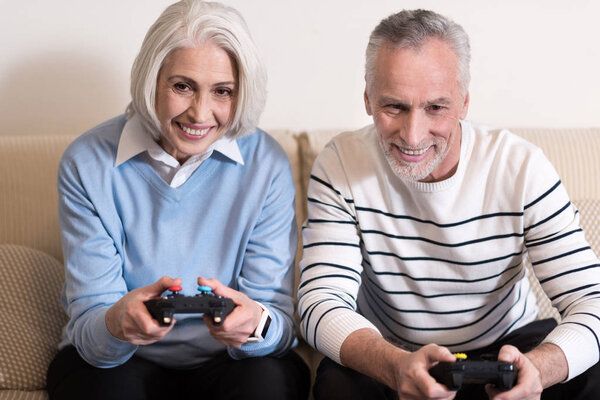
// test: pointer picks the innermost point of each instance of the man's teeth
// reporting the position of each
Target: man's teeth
(414, 152)
(194, 132)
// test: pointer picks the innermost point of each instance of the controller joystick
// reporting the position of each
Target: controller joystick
(205, 302)
(454, 374)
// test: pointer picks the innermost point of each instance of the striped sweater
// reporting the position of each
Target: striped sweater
(443, 262)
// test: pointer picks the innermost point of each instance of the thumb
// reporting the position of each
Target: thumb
(158, 287)
(217, 287)
(509, 354)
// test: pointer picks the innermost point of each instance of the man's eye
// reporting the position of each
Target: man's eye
(435, 108)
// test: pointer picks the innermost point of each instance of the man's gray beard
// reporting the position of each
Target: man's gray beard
(404, 171)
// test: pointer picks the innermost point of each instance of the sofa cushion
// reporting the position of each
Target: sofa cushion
(32, 315)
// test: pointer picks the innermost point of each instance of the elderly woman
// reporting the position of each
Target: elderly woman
(184, 190)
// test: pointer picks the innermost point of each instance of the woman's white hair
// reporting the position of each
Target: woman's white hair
(187, 24)
(411, 29)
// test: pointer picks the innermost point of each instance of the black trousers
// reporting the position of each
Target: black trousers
(70, 377)
(334, 381)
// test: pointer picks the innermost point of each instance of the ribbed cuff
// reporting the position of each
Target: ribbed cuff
(335, 329)
(573, 341)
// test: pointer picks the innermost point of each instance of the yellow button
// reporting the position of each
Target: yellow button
(460, 356)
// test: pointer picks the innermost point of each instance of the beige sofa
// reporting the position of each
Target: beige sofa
(30, 252)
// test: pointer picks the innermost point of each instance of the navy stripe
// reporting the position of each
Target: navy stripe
(314, 244)
(331, 221)
(422, 239)
(560, 256)
(534, 243)
(327, 276)
(557, 184)
(569, 272)
(548, 218)
(572, 291)
(443, 260)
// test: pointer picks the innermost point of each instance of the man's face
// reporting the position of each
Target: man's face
(416, 102)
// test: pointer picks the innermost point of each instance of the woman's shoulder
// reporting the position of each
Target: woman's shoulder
(262, 146)
(100, 142)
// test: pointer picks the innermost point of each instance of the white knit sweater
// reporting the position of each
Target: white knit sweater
(443, 262)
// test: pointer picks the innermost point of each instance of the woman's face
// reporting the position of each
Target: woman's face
(195, 93)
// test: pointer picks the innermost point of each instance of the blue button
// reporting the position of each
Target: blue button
(204, 289)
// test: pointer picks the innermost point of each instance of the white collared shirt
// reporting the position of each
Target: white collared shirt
(135, 140)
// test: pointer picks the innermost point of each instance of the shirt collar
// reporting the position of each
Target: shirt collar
(135, 140)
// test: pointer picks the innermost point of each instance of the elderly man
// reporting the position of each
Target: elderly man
(417, 233)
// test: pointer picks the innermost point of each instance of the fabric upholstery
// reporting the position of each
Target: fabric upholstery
(28, 198)
(33, 317)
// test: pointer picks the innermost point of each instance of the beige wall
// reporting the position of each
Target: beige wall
(65, 63)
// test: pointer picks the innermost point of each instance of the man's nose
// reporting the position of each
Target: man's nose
(413, 128)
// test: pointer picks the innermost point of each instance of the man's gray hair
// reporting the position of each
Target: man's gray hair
(187, 24)
(411, 29)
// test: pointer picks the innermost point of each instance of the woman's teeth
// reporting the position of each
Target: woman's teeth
(194, 132)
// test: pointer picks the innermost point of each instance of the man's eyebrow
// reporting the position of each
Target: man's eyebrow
(442, 101)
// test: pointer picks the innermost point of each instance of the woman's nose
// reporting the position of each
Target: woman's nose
(200, 108)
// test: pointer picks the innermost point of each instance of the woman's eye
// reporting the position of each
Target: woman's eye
(224, 92)
(181, 87)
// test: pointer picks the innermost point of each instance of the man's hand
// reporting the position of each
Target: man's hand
(408, 373)
(242, 321)
(413, 380)
(542, 367)
(129, 318)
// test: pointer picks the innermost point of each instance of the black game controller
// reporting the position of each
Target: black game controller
(205, 302)
(454, 374)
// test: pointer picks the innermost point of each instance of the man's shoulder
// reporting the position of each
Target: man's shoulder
(489, 139)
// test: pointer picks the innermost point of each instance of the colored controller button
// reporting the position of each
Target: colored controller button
(460, 356)
(176, 288)
(204, 289)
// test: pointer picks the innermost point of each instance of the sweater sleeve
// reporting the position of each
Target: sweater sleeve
(93, 273)
(267, 274)
(331, 265)
(565, 265)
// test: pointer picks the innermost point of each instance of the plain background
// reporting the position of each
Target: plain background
(65, 64)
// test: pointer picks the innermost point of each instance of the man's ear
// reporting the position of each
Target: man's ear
(465, 107)
(367, 103)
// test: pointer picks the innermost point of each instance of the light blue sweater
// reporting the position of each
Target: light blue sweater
(124, 227)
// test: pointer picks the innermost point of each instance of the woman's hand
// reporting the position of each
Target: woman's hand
(242, 321)
(129, 318)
